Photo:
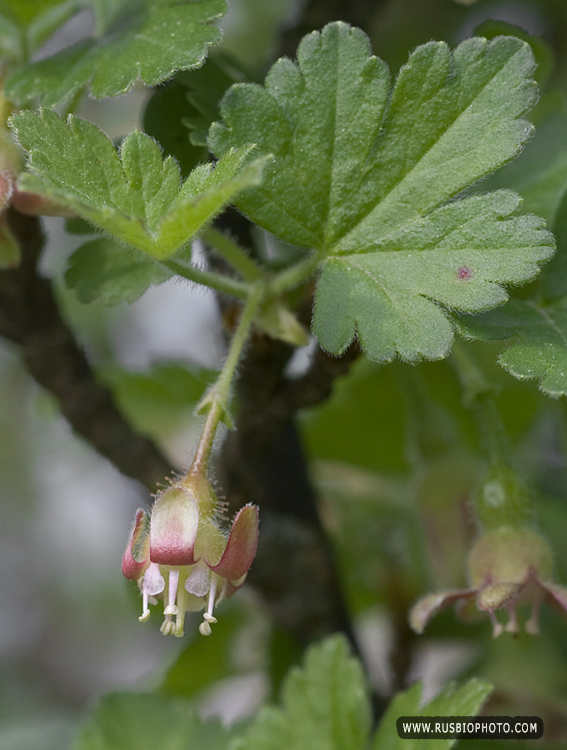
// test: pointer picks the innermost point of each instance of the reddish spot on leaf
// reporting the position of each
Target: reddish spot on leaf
(464, 273)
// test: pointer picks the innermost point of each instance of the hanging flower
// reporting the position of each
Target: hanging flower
(508, 566)
(179, 553)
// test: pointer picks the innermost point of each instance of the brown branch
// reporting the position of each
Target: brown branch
(29, 317)
(263, 462)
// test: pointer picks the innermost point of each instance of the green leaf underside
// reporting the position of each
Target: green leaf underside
(147, 39)
(540, 349)
(102, 269)
(361, 174)
(464, 701)
(134, 194)
(324, 705)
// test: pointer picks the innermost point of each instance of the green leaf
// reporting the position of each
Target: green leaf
(145, 721)
(362, 174)
(456, 256)
(325, 705)
(464, 701)
(133, 193)
(24, 26)
(26, 12)
(368, 409)
(159, 400)
(164, 120)
(179, 114)
(539, 174)
(540, 348)
(146, 39)
(102, 269)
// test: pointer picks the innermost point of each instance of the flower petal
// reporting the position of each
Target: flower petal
(173, 527)
(153, 582)
(496, 595)
(429, 605)
(199, 582)
(241, 546)
(137, 553)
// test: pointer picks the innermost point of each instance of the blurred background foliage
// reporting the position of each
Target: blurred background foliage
(393, 453)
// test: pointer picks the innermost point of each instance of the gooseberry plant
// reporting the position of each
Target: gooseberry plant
(340, 208)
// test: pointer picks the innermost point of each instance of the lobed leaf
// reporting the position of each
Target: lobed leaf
(134, 194)
(325, 706)
(362, 173)
(145, 39)
(540, 347)
(456, 256)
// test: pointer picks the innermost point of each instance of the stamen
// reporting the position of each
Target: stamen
(151, 584)
(497, 627)
(512, 626)
(205, 628)
(167, 626)
(171, 608)
(208, 618)
(180, 618)
(532, 625)
(212, 596)
(145, 616)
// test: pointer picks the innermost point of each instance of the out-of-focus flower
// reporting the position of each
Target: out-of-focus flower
(507, 567)
(510, 564)
(180, 554)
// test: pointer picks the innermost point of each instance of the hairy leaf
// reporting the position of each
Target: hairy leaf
(540, 348)
(159, 400)
(102, 269)
(133, 193)
(456, 256)
(146, 39)
(325, 706)
(464, 701)
(362, 173)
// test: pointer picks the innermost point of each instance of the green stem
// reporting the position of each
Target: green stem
(478, 395)
(211, 279)
(219, 395)
(292, 277)
(231, 251)
(503, 499)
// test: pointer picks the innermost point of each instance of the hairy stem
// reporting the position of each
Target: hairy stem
(291, 277)
(233, 253)
(214, 280)
(218, 398)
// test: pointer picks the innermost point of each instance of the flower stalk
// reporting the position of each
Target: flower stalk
(180, 552)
